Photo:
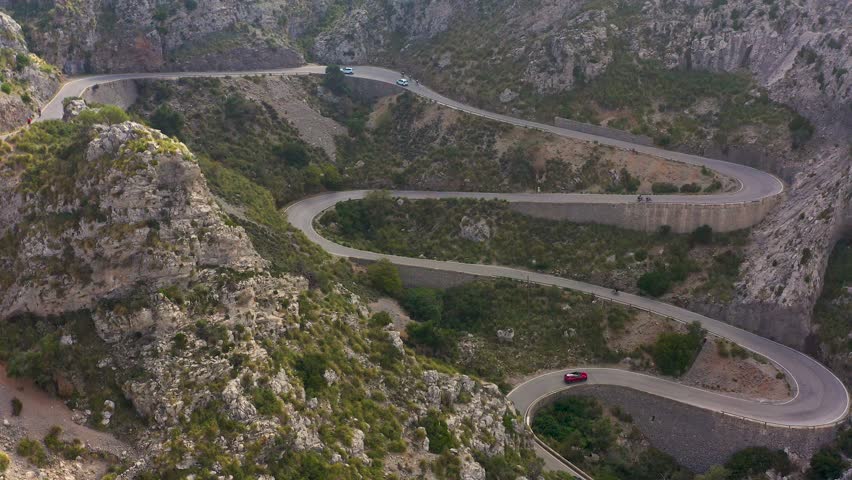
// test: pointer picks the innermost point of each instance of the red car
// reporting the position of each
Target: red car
(574, 377)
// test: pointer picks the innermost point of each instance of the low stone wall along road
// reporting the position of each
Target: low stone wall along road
(820, 399)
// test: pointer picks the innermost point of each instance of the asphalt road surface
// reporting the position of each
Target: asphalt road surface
(820, 398)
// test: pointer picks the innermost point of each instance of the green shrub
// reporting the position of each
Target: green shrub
(654, 283)
(617, 318)
(107, 114)
(380, 320)
(17, 407)
(67, 450)
(311, 368)
(240, 112)
(626, 182)
(335, 80)
(423, 304)
(674, 353)
(6, 88)
(714, 186)
(716, 472)
(575, 422)
(801, 130)
(384, 277)
(174, 293)
(440, 438)
(826, 464)
(640, 255)
(5, 461)
(702, 235)
(663, 187)
(293, 154)
(266, 402)
(430, 339)
(32, 451)
(844, 442)
(690, 188)
(190, 5)
(168, 121)
(22, 60)
(756, 460)
(180, 341)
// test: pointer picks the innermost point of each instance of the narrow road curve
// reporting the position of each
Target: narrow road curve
(755, 185)
(820, 398)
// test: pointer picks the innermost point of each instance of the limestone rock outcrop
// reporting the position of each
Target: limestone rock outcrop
(27, 81)
(134, 209)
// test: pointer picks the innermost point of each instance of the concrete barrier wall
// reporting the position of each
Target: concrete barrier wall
(426, 277)
(607, 132)
(648, 217)
(123, 93)
(697, 438)
(370, 90)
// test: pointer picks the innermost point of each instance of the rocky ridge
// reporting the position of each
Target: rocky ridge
(201, 336)
(27, 81)
(126, 35)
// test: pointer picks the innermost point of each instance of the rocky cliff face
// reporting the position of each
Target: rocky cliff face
(126, 35)
(112, 219)
(131, 215)
(27, 81)
(799, 52)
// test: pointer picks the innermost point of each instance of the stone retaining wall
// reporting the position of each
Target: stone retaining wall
(122, 93)
(697, 438)
(607, 132)
(648, 217)
(426, 277)
(369, 90)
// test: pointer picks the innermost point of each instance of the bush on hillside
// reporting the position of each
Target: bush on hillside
(168, 121)
(32, 451)
(423, 304)
(107, 114)
(440, 438)
(826, 464)
(716, 472)
(384, 277)
(17, 407)
(674, 353)
(756, 460)
(654, 283)
(702, 235)
(801, 130)
(663, 187)
(430, 339)
(311, 368)
(335, 80)
(293, 154)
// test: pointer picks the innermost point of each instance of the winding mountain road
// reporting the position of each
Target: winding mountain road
(820, 398)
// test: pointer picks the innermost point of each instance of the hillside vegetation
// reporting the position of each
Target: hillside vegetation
(473, 231)
(221, 360)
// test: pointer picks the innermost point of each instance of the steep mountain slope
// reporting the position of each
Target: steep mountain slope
(109, 228)
(126, 35)
(626, 64)
(523, 56)
(26, 81)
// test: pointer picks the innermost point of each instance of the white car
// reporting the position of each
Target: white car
(347, 70)
(402, 82)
